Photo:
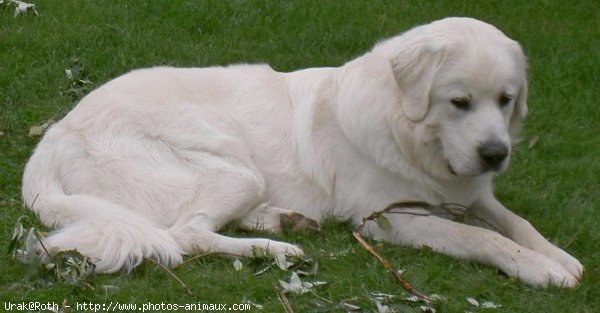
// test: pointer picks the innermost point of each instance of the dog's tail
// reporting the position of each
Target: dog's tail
(112, 235)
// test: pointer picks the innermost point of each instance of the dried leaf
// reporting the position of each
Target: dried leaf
(18, 232)
(31, 242)
(490, 305)
(35, 131)
(282, 262)
(261, 271)
(349, 307)
(78, 84)
(294, 286)
(382, 308)
(426, 308)
(297, 286)
(253, 304)
(38, 130)
(52, 266)
(533, 140)
(237, 265)
(473, 302)
(383, 222)
(380, 296)
(310, 285)
(412, 299)
(436, 297)
(69, 73)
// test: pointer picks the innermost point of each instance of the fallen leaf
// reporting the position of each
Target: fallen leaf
(490, 305)
(473, 302)
(282, 262)
(237, 265)
(383, 223)
(381, 308)
(35, 131)
(413, 299)
(297, 286)
(380, 296)
(533, 140)
(253, 304)
(349, 307)
(436, 297)
(38, 130)
(294, 286)
(426, 308)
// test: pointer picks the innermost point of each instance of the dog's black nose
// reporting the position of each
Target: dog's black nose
(492, 153)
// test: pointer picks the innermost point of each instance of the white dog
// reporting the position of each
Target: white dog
(155, 162)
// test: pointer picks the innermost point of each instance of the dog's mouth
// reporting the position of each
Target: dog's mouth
(483, 170)
(451, 170)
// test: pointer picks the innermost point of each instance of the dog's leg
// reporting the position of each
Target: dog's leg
(474, 243)
(224, 195)
(195, 238)
(521, 231)
(271, 218)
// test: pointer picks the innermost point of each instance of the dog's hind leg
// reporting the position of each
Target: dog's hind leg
(226, 191)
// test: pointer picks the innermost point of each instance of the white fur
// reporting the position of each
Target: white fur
(155, 162)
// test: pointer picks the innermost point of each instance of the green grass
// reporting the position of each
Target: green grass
(555, 184)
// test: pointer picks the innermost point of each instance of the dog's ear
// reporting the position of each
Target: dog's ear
(519, 113)
(414, 67)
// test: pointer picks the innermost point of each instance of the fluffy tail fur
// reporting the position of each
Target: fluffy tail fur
(112, 235)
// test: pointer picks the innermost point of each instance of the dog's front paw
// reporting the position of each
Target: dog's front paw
(540, 271)
(571, 264)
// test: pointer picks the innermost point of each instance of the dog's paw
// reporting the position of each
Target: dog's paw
(540, 271)
(277, 247)
(571, 264)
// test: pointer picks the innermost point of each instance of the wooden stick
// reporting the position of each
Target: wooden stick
(166, 269)
(386, 264)
(284, 301)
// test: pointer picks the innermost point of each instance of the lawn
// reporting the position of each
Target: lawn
(553, 181)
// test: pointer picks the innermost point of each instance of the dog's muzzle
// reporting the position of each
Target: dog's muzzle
(492, 154)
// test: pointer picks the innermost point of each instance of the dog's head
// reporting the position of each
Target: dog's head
(463, 90)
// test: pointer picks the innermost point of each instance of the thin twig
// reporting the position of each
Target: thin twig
(34, 200)
(572, 239)
(386, 264)
(319, 297)
(38, 235)
(284, 301)
(447, 208)
(41, 241)
(166, 269)
(195, 257)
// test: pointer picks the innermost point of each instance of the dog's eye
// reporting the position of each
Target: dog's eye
(461, 103)
(505, 100)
